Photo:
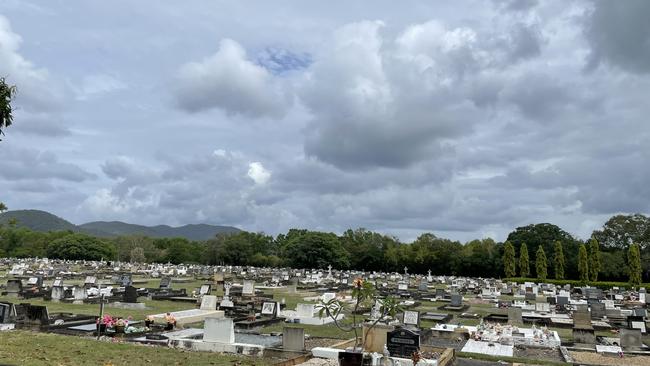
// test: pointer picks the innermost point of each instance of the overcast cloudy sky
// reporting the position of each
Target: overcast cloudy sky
(462, 118)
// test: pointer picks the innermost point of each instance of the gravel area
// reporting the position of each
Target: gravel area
(596, 359)
(320, 362)
(320, 342)
(548, 354)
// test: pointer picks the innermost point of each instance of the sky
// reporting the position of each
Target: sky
(466, 119)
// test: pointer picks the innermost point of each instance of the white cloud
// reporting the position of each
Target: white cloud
(228, 80)
(258, 173)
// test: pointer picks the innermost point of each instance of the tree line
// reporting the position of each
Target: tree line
(617, 252)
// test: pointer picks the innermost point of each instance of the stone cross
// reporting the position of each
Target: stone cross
(226, 287)
(405, 270)
(429, 272)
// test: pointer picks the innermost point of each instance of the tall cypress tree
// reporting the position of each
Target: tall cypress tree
(594, 260)
(524, 262)
(541, 266)
(558, 258)
(509, 260)
(634, 264)
(583, 264)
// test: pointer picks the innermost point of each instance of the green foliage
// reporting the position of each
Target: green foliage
(583, 264)
(7, 93)
(594, 260)
(509, 260)
(621, 231)
(3, 207)
(546, 235)
(634, 264)
(366, 248)
(524, 261)
(558, 260)
(242, 248)
(541, 266)
(311, 249)
(80, 246)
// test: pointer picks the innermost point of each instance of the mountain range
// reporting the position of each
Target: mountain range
(44, 221)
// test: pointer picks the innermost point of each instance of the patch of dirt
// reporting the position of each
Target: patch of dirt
(320, 342)
(594, 358)
(537, 353)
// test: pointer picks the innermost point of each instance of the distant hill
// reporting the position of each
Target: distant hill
(44, 221)
(37, 220)
(191, 232)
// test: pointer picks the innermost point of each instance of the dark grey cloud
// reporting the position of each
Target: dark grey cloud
(516, 5)
(619, 34)
(42, 124)
(23, 163)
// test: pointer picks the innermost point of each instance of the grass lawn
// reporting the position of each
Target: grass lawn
(32, 348)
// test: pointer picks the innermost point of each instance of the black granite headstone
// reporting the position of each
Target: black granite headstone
(403, 343)
(166, 283)
(130, 294)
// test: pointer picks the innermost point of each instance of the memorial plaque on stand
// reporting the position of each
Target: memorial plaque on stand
(403, 342)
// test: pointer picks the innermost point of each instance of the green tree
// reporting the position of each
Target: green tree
(541, 265)
(7, 93)
(312, 249)
(137, 255)
(79, 246)
(594, 260)
(583, 264)
(546, 235)
(3, 207)
(524, 261)
(558, 259)
(621, 231)
(509, 260)
(634, 264)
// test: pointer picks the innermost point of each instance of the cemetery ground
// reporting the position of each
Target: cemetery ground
(21, 347)
(34, 348)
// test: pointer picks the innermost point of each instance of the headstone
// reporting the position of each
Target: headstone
(220, 330)
(411, 318)
(631, 338)
(305, 310)
(91, 281)
(165, 283)
(130, 294)
(424, 286)
(268, 308)
(582, 319)
(14, 287)
(79, 294)
(562, 300)
(440, 293)
(209, 302)
(514, 316)
(5, 310)
(249, 288)
(205, 289)
(542, 307)
(598, 310)
(293, 339)
(530, 296)
(58, 293)
(328, 296)
(402, 286)
(402, 343)
(456, 300)
(125, 280)
(58, 283)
